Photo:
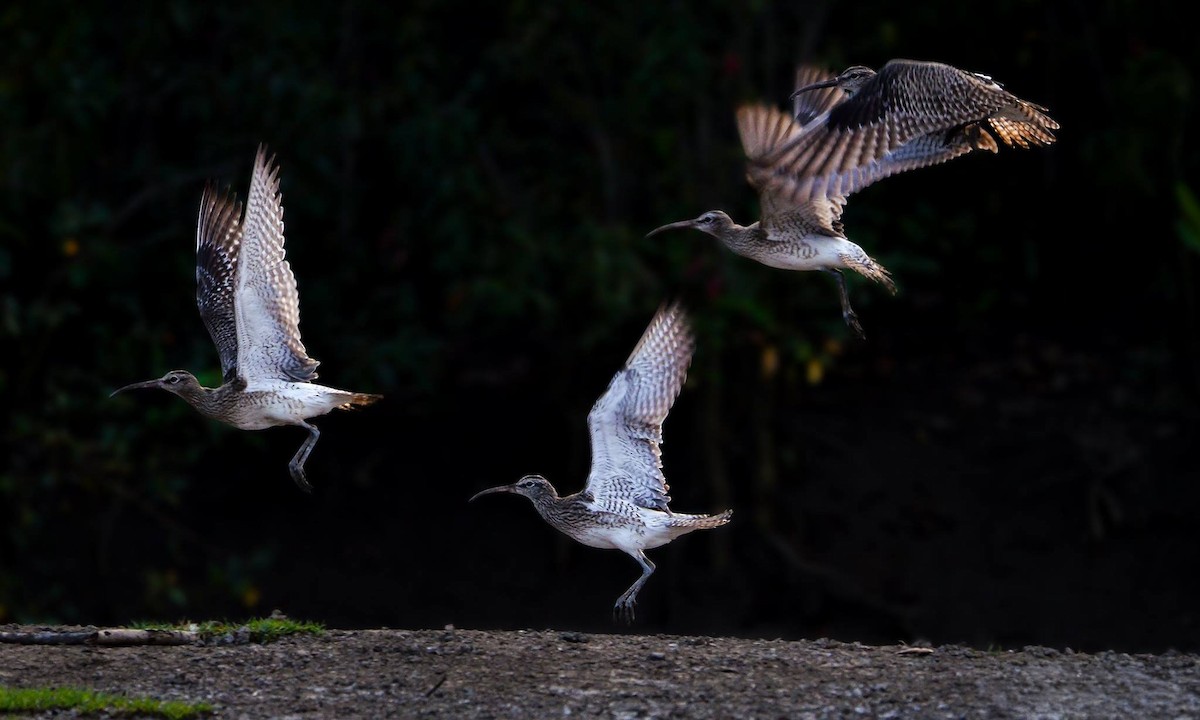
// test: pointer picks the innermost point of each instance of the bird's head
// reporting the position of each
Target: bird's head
(534, 487)
(849, 81)
(713, 222)
(180, 382)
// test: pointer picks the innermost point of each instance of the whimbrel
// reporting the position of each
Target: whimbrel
(847, 132)
(624, 505)
(247, 297)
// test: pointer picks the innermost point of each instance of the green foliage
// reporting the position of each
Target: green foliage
(88, 702)
(258, 630)
(1188, 224)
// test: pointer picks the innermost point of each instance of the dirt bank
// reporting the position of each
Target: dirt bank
(484, 674)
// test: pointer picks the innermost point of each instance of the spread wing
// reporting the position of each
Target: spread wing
(218, 237)
(807, 106)
(765, 131)
(268, 306)
(909, 115)
(626, 422)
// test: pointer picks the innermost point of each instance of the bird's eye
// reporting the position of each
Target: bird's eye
(174, 379)
(706, 219)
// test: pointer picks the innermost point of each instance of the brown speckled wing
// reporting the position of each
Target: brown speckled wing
(810, 105)
(268, 305)
(909, 115)
(786, 199)
(626, 422)
(218, 238)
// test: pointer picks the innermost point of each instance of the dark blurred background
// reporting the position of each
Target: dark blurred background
(1010, 458)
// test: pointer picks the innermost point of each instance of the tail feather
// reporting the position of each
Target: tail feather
(867, 267)
(1024, 124)
(359, 400)
(700, 522)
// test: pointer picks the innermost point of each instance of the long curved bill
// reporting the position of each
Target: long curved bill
(136, 386)
(490, 491)
(673, 226)
(814, 86)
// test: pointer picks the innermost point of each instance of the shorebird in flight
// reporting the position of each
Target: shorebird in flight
(624, 505)
(247, 297)
(845, 133)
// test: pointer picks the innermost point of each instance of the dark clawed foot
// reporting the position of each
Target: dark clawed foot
(854, 325)
(623, 611)
(299, 477)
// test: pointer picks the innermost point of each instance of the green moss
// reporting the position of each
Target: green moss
(261, 630)
(87, 701)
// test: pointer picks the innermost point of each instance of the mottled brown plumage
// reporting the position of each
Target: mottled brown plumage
(908, 115)
(846, 132)
(218, 239)
(624, 505)
(247, 297)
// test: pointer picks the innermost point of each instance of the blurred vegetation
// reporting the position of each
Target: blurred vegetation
(467, 188)
(256, 630)
(89, 702)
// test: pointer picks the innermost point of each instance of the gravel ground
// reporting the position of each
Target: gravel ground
(484, 674)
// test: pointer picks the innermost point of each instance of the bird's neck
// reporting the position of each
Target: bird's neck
(212, 402)
(557, 510)
(740, 237)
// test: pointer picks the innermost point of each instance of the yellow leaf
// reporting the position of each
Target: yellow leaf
(770, 361)
(815, 371)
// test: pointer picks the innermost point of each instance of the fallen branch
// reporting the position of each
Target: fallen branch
(49, 637)
(105, 637)
(127, 636)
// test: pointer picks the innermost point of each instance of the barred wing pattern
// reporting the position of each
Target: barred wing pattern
(626, 422)
(268, 305)
(218, 239)
(764, 130)
(808, 106)
(909, 115)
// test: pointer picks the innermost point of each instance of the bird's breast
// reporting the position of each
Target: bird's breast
(608, 525)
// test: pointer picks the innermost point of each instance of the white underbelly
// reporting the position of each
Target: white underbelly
(276, 402)
(608, 538)
(815, 253)
(651, 532)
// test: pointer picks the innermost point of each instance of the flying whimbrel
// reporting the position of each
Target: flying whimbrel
(624, 505)
(847, 132)
(247, 297)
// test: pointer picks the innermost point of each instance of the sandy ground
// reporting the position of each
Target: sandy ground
(524, 674)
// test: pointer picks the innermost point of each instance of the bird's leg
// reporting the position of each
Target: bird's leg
(847, 312)
(296, 466)
(623, 610)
